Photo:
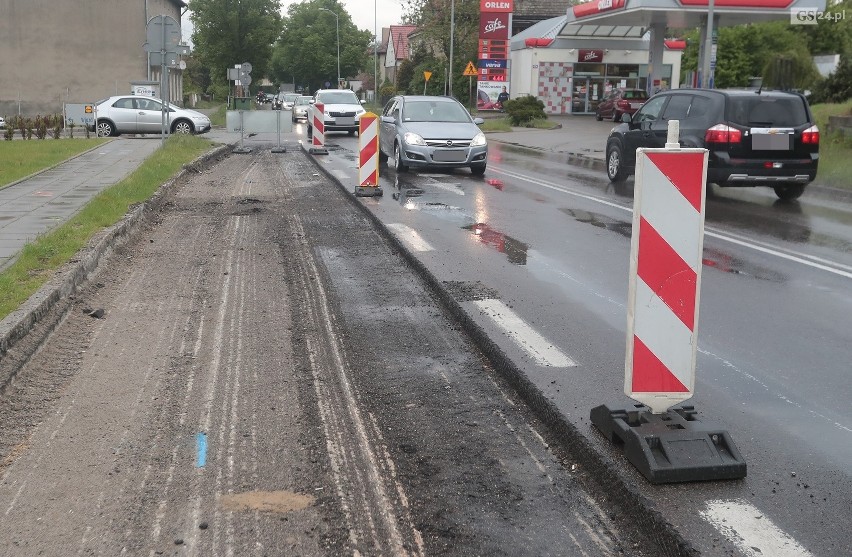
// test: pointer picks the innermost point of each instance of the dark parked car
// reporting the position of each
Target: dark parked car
(620, 101)
(755, 138)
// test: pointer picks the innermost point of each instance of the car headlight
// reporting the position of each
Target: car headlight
(479, 140)
(413, 139)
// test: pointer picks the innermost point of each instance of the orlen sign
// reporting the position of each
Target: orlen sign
(596, 7)
(502, 6)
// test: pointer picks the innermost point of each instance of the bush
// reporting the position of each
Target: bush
(837, 87)
(524, 110)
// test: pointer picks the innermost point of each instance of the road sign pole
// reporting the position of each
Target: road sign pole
(662, 321)
(279, 149)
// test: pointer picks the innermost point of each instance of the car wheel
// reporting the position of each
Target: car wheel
(351, 132)
(182, 127)
(615, 164)
(788, 192)
(398, 165)
(616, 117)
(477, 169)
(598, 116)
(105, 129)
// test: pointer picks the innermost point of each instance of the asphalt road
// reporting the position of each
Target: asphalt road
(543, 238)
(547, 245)
(269, 377)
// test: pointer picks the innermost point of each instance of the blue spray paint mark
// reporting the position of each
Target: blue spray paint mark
(201, 446)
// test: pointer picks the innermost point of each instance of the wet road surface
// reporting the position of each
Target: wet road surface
(541, 246)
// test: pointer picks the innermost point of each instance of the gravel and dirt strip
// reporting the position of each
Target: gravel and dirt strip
(270, 377)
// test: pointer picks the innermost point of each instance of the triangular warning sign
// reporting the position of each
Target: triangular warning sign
(470, 69)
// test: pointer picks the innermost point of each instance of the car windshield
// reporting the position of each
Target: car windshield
(303, 100)
(337, 97)
(291, 97)
(434, 111)
(766, 111)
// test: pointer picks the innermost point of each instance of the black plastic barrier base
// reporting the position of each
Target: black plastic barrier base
(671, 447)
(368, 191)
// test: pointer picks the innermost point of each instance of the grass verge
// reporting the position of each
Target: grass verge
(42, 257)
(22, 158)
(834, 149)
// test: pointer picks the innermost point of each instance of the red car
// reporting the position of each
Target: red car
(620, 101)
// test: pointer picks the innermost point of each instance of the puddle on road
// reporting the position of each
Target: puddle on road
(729, 264)
(716, 259)
(515, 250)
(601, 221)
(266, 501)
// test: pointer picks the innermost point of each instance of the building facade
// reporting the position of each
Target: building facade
(76, 51)
(570, 74)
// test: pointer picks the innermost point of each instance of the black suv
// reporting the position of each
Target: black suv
(755, 138)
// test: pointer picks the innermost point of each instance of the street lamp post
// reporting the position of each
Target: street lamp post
(337, 26)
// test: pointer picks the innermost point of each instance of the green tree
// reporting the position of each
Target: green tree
(829, 36)
(307, 50)
(746, 51)
(228, 32)
(837, 88)
(434, 18)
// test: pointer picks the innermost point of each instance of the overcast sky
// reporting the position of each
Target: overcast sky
(369, 15)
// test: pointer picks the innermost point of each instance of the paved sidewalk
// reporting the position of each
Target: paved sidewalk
(581, 136)
(41, 202)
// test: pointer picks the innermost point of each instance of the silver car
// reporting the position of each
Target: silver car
(287, 100)
(431, 131)
(302, 107)
(141, 115)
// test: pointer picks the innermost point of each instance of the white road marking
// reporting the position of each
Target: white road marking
(794, 256)
(410, 237)
(541, 350)
(752, 532)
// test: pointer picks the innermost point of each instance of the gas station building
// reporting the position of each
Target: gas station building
(571, 62)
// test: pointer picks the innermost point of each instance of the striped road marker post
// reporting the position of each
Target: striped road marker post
(368, 156)
(667, 444)
(318, 130)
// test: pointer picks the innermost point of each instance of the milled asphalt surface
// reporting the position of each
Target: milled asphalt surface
(41, 202)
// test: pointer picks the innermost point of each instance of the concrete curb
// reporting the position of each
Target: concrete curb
(599, 467)
(44, 310)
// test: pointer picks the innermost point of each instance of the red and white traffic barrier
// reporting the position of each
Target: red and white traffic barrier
(318, 129)
(665, 274)
(368, 158)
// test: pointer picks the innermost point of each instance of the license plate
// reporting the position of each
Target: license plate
(449, 156)
(344, 121)
(635, 105)
(769, 139)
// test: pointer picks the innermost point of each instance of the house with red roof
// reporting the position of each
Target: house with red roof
(393, 50)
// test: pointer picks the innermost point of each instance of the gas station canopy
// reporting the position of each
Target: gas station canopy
(682, 13)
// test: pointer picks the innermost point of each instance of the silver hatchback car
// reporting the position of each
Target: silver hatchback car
(431, 131)
(142, 115)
